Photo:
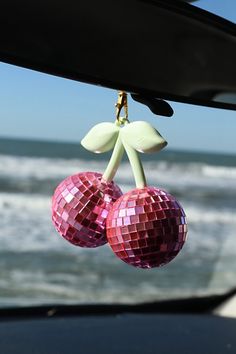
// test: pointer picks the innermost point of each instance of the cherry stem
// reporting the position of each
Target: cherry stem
(136, 165)
(114, 162)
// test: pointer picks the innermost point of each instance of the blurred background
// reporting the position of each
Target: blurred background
(42, 120)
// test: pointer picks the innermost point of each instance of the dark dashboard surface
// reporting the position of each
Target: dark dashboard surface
(126, 333)
(180, 326)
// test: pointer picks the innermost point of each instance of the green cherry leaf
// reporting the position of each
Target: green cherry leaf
(101, 138)
(142, 137)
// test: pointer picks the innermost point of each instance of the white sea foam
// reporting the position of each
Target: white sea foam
(197, 214)
(161, 172)
(219, 172)
(192, 174)
(175, 175)
(43, 168)
(26, 221)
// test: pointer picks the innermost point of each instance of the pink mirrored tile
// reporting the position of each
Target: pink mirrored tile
(80, 206)
(150, 243)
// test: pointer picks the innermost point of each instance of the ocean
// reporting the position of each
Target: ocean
(37, 266)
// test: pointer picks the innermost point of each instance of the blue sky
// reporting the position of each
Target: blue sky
(35, 105)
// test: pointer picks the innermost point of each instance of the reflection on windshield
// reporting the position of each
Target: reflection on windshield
(38, 266)
(227, 97)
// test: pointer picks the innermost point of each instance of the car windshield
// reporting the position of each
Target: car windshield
(223, 9)
(43, 119)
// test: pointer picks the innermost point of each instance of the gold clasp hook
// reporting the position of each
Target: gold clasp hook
(122, 102)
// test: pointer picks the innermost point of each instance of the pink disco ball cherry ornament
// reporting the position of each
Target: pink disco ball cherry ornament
(80, 206)
(146, 227)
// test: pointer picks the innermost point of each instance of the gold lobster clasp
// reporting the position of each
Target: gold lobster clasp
(122, 102)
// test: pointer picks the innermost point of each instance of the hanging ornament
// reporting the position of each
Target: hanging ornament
(145, 227)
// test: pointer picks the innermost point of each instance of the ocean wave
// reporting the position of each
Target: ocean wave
(219, 172)
(43, 168)
(191, 174)
(89, 282)
(210, 215)
(26, 223)
(38, 265)
(41, 175)
(38, 288)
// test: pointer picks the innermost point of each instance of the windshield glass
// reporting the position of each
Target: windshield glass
(225, 9)
(38, 265)
(43, 119)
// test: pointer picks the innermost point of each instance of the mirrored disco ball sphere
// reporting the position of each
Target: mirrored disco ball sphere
(146, 227)
(80, 206)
